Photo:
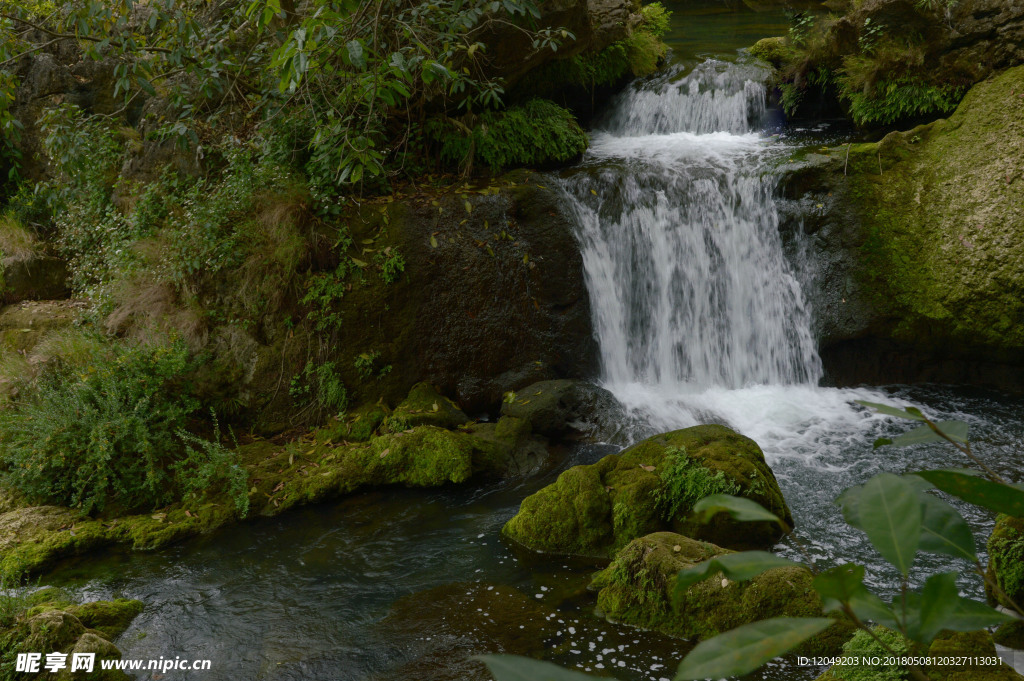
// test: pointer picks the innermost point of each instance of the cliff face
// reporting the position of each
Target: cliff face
(920, 242)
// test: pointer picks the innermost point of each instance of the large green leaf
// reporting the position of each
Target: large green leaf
(845, 584)
(971, 615)
(927, 614)
(738, 567)
(954, 430)
(739, 508)
(516, 668)
(849, 502)
(890, 513)
(909, 413)
(979, 491)
(746, 648)
(944, 530)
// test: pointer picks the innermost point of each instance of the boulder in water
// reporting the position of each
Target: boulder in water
(1006, 560)
(564, 407)
(595, 510)
(638, 588)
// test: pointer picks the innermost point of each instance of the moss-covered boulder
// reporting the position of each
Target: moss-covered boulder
(595, 510)
(425, 406)
(638, 589)
(564, 407)
(45, 623)
(1010, 635)
(975, 644)
(916, 248)
(1006, 560)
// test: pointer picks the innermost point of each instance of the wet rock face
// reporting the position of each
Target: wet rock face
(593, 511)
(916, 270)
(565, 407)
(492, 298)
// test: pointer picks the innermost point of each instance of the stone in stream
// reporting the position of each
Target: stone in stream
(638, 589)
(974, 644)
(564, 407)
(595, 510)
(42, 622)
(1006, 561)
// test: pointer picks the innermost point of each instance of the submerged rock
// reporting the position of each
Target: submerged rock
(638, 589)
(595, 510)
(1006, 561)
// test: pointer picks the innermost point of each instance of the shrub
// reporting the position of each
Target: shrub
(535, 133)
(103, 431)
(208, 463)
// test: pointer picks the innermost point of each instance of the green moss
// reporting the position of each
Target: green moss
(638, 589)
(595, 510)
(424, 406)
(861, 646)
(942, 267)
(110, 618)
(1006, 559)
(1010, 635)
(771, 50)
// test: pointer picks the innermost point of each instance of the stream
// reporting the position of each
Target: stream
(700, 318)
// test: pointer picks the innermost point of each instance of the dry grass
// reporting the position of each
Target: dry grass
(16, 240)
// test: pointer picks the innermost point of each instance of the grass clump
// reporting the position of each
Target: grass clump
(686, 481)
(103, 432)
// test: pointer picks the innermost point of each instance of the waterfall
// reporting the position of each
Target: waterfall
(679, 232)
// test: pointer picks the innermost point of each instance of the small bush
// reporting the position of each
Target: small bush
(103, 431)
(208, 463)
(536, 133)
(687, 482)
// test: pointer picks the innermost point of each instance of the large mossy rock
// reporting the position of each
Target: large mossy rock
(917, 260)
(47, 624)
(425, 406)
(967, 645)
(595, 510)
(1006, 560)
(638, 589)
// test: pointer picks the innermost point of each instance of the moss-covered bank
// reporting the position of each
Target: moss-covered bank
(595, 510)
(367, 449)
(1006, 561)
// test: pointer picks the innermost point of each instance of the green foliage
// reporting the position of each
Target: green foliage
(324, 291)
(894, 100)
(746, 648)
(655, 19)
(319, 386)
(391, 264)
(535, 133)
(800, 26)
(102, 432)
(207, 464)
(687, 482)
(366, 365)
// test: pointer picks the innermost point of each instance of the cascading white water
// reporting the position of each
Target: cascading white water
(679, 233)
(698, 315)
